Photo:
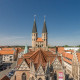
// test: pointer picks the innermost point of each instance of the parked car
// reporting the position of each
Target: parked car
(9, 75)
(12, 73)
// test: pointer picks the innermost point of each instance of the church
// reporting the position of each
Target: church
(39, 64)
(39, 42)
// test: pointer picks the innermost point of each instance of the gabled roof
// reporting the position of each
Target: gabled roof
(6, 52)
(5, 78)
(67, 55)
(39, 40)
(39, 57)
(66, 60)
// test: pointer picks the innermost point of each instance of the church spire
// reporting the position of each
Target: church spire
(44, 27)
(34, 30)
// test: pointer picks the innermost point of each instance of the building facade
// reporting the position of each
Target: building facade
(39, 42)
(1, 62)
(8, 54)
(39, 65)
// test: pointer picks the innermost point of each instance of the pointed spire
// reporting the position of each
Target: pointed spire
(34, 30)
(44, 27)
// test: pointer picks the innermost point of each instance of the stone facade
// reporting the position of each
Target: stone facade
(39, 66)
(76, 67)
(39, 42)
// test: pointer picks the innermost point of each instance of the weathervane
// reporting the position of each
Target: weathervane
(44, 18)
(34, 17)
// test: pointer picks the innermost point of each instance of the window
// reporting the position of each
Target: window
(36, 44)
(10, 56)
(39, 79)
(32, 78)
(23, 76)
(10, 59)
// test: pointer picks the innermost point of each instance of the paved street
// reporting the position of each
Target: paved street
(6, 71)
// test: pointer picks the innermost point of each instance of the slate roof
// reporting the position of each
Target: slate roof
(44, 28)
(34, 30)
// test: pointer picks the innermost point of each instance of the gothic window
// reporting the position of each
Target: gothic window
(47, 78)
(23, 76)
(36, 44)
(40, 79)
(32, 78)
(55, 76)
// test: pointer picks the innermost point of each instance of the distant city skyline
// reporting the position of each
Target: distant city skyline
(62, 20)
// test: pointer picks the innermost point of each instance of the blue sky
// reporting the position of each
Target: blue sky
(62, 19)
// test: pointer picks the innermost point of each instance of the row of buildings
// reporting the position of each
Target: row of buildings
(39, 63)
(43, 63)
(9, 55)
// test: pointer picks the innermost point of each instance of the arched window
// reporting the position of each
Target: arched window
(40, 79)
(32, 78)
(38, 45)
(55, 76)
(42, 45)
(23, 76)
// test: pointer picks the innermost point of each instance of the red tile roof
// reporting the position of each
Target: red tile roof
(5, 78)
(39, 40)
(69, 51)
(60, 49)
(6, 52)
(67, 55)
(66, 60)
(39, 57)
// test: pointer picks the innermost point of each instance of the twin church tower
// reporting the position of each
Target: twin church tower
(39, 42)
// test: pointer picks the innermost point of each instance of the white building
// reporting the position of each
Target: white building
(8, 54)
(71, 48)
